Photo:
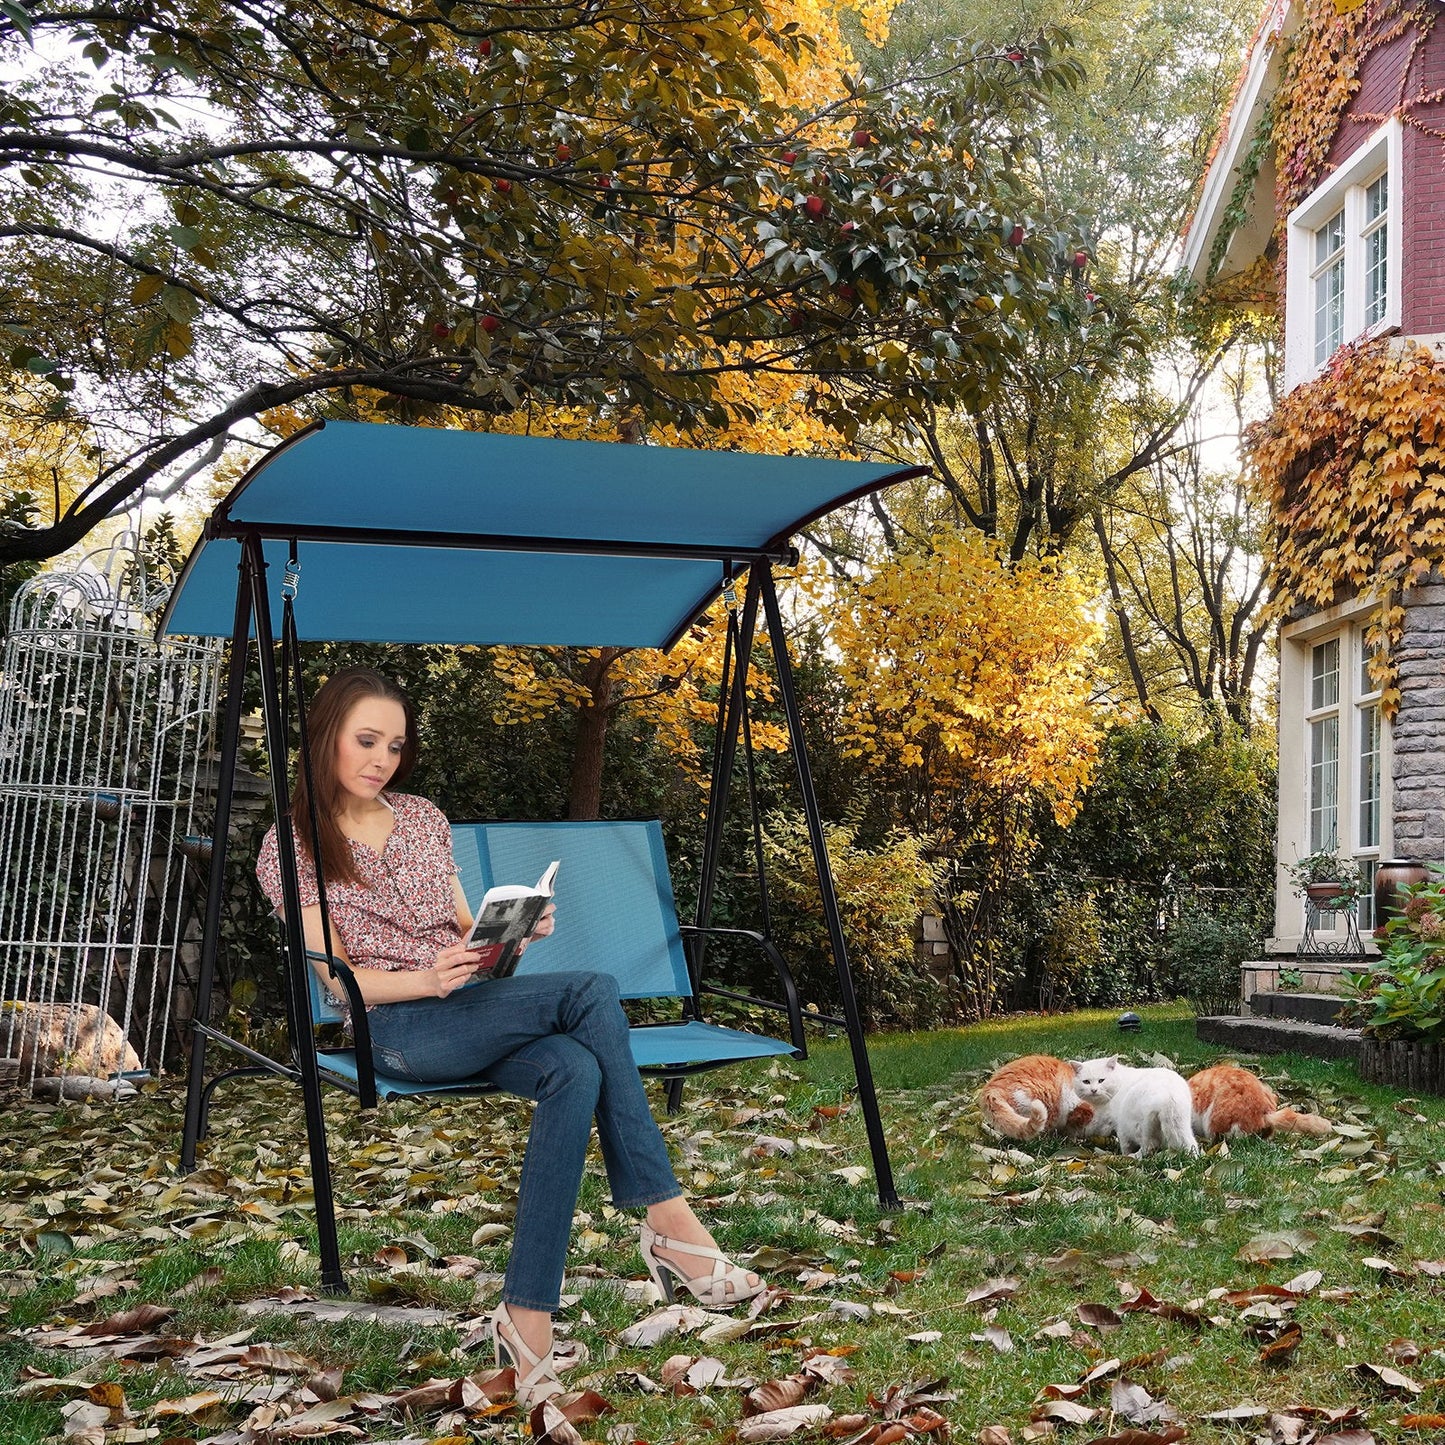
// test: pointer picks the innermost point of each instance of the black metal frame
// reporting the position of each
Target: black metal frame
(253, 604)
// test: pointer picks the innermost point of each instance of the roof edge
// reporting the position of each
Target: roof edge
(1255, 88)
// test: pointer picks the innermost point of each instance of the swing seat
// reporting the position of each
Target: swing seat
(615, 915)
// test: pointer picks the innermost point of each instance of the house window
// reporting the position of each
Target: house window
(1369, 780)
(1329, 279)
(1344, 761)
(1324, 753)
(1377, 249)
(1343, 257)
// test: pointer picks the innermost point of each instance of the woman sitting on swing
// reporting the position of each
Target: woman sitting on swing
(398, 916)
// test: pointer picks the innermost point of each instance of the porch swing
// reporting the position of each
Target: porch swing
(592, 544)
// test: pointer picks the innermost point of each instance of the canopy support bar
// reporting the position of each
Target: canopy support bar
(729, 555)
(862, 1068)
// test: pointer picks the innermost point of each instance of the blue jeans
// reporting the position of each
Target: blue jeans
(561, 1039)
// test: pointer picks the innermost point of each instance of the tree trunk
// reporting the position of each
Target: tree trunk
(585, 801)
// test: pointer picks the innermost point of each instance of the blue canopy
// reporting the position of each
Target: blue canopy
(418, 534)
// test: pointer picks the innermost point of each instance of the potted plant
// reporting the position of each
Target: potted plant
(1399, 1001)
(1327, 879)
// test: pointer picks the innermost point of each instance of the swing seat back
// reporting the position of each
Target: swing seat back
(615, 915)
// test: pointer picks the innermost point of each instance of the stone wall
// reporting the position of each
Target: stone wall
(1418, 732)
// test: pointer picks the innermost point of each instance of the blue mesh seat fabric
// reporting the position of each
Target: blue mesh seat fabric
(615, 914)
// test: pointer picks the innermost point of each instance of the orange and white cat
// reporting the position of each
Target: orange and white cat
(1230, 1100)
(1026, 1096)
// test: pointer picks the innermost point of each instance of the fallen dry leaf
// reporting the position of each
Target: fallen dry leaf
(139, 1320)
(779, 1424)
(673, 1320)
(1003, 1288)
(1065, 1411)
(775, 1395)
(1166, 1436)
(1390, 1378)
(1280, 1349)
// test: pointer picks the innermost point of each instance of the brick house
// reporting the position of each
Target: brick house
(1325, 198)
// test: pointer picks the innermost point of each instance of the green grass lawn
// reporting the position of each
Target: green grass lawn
(1005, 1277)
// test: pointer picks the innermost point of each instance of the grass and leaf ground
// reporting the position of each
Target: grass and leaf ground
(1279, 1291)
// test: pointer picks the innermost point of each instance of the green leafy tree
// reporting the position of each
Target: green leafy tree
(215, 211)
(1182, 548)
(1098, 403)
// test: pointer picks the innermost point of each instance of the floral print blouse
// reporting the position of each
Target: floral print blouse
(402, 913)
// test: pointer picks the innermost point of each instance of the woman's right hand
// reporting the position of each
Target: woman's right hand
(454, 967)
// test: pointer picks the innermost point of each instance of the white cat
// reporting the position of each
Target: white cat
(1147, 1108)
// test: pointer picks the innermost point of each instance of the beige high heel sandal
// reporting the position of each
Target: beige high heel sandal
(540, 1381)
(724, 1285)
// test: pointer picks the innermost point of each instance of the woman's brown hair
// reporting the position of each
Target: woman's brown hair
(324, 720)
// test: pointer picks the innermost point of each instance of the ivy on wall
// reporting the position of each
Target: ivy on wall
(1352, 463)
(1352, 466)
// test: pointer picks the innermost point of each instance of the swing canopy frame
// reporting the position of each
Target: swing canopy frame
(384, 533)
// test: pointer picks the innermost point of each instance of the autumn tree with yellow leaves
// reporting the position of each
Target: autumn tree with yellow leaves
(969, 703)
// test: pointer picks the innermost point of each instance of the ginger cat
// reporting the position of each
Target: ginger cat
(1230, 1100)
(1028, 1095)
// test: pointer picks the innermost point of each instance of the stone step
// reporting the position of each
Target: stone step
(1314, 1008)
(1279, 1036)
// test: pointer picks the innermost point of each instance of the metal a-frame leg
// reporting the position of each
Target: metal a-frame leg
(762, 577)
(725, 747)
(220, 839)
(298, 995)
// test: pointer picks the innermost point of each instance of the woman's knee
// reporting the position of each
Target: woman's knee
(568, 1070)
(596, 990)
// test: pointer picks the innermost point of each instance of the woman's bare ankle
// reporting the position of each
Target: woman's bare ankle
(533, 1326)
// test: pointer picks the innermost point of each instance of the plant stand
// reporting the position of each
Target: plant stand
(1311, 945)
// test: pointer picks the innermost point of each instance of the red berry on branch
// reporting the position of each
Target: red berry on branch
(1081, 259)
(1016, 236)
(815, 206)
(862, 138)
(789, 157)
(484, 47)
(440, 329)
(847, 293)
(1015, 56)
(489, 324)
(845, 228)
(502, 184)
(564, 151)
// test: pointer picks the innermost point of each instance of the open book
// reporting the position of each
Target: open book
(505, 919)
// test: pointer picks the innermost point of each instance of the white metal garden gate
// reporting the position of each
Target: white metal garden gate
(104, 738)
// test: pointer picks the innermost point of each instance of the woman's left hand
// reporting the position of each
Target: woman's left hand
(545, 924)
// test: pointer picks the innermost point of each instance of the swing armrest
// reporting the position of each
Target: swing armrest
(790, 1004)
(342, 973)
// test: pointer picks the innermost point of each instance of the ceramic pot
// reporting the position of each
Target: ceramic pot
(1392, 877)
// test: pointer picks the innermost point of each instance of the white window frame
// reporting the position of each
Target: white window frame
(1381, 154)
(1357, 696)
